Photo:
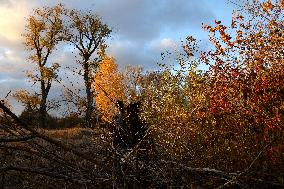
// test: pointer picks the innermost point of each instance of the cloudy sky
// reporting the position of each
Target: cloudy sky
(142, 29)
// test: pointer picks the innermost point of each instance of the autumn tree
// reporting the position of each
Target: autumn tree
(43, 32)
(87, 34)
(170, 98)
(245, 93)
(109, 89)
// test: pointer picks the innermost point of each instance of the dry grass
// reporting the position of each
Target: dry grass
(73, 133)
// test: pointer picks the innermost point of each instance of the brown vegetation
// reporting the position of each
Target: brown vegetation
(215, 128)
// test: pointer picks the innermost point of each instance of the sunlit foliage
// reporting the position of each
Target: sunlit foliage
(26, 98)
(246, 80)
(43, 32)
(109, 89)
(220, 127)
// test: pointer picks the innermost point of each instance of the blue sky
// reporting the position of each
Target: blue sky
(142, 30)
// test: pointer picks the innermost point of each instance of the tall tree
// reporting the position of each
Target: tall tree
(87, 33)
(43, 32)
(109, 88)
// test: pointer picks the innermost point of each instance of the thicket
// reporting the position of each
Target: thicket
(215, 128)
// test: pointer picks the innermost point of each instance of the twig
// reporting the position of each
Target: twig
(8, 94)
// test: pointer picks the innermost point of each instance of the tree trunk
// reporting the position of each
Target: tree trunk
(90, 107)
(43, 107)
(42, 111)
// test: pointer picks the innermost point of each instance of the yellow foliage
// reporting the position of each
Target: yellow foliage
(26, 98)
(108, 87)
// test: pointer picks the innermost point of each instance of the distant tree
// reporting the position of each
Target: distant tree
(69, 121)
(27, 99)
(43, 32)
(132, 82)
(30, 115)
(108, 87)
(87, 34)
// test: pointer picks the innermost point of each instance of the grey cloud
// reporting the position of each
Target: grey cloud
(145, 21)
(183, 13)
(15, 45)
(131, 53)
(13, 62)
(140, 22)
(136, 24)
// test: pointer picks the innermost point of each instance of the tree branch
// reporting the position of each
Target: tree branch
(17, 139)
(44, 172)
(45, 137)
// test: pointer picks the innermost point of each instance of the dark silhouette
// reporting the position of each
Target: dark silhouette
(129, 129)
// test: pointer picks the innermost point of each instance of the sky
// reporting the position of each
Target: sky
(142, 29)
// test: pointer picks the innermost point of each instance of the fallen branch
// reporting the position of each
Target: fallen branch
(45, 137)
(17, 139)
(44, 172)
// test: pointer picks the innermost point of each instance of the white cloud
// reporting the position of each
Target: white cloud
(162, 44)
(167, 42)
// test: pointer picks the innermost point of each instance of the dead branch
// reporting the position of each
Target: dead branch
(17, 139)
(45, 137)
(44, 172)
